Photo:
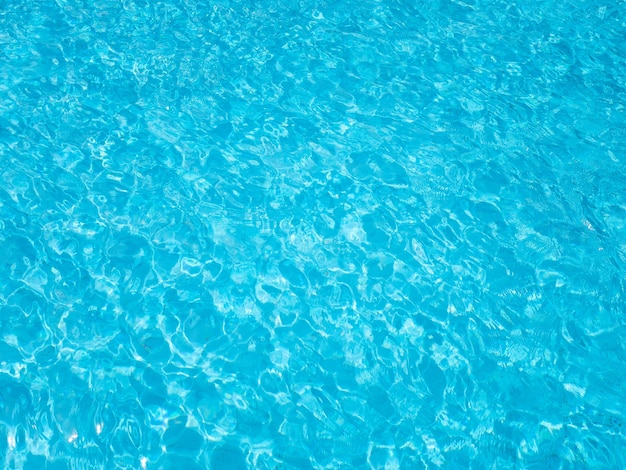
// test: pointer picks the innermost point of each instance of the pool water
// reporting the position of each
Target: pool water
(297, 234)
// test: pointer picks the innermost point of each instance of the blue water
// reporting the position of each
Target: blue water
(296, 234)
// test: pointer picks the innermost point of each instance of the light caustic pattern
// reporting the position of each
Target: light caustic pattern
(278, 234)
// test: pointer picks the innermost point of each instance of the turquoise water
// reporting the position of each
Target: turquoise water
(291, 235)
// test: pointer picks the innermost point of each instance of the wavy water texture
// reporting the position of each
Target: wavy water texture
(279, 234)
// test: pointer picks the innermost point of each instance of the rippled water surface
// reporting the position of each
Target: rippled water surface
(312, 234)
